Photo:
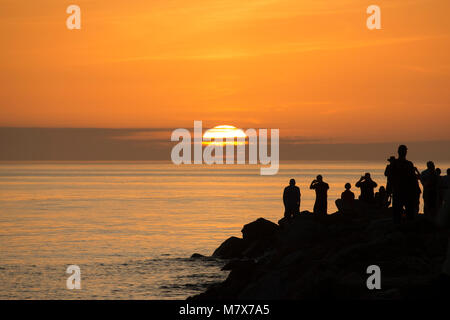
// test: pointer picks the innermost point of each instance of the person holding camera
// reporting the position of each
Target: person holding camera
(321, 188)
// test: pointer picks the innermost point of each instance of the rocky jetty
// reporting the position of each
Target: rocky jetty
(316, 257)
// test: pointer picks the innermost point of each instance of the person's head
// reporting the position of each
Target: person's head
(319, 178)
(367, 175)
(430, 165)
(402, 151)
(438, 171)
(391, 159)
(292, 182)
(348, 186)
(382, 189)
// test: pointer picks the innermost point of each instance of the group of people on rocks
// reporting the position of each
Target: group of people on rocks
(402, 191)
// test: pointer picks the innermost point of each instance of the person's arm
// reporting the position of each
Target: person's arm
(284, 196)
(298, 196)
(312, 186)
(417, 173)
(358, 184)
(374, 184)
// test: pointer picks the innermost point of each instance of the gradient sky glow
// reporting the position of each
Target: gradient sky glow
(308, 67)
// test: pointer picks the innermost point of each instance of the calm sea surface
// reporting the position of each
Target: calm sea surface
(131, 227)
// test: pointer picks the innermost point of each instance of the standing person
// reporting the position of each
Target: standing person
(367, 186)
(429, 181)
(321, 188)
(388, 174)
(404, 182)
(291, 200)
(440, 188)
(446, 181)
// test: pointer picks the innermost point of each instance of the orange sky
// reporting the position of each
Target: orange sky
(308, 67)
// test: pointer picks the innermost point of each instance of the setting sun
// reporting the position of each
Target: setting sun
(220, 133)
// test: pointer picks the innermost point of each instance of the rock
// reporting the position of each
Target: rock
(312, 257)
(291, 259)
(260, 229)
(198, 256)
(392, 294)
(238, 264)
(269, 287)
(230, 248)
(302, 229)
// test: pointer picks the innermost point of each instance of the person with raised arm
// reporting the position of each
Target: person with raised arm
(321, 188)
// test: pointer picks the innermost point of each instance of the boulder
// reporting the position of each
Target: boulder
(230, 248)
(259, 230)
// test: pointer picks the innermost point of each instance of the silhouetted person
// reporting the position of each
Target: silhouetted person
(382, 198)
(321, 188)
(404, 186)
(440, 188)
(347, 201)
(446, 181)
(388, 174)
(367, 186)
(429, 181)
(418, 191)
(291, 200)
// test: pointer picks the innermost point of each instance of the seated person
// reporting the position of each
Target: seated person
(346, 202)
(382, 198)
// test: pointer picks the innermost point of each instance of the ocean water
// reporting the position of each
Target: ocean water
(131, 227)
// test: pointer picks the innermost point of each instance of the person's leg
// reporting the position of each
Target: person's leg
(397, 208)
(425, 201)
(410, 208)
(322, 208)
(287, 214)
